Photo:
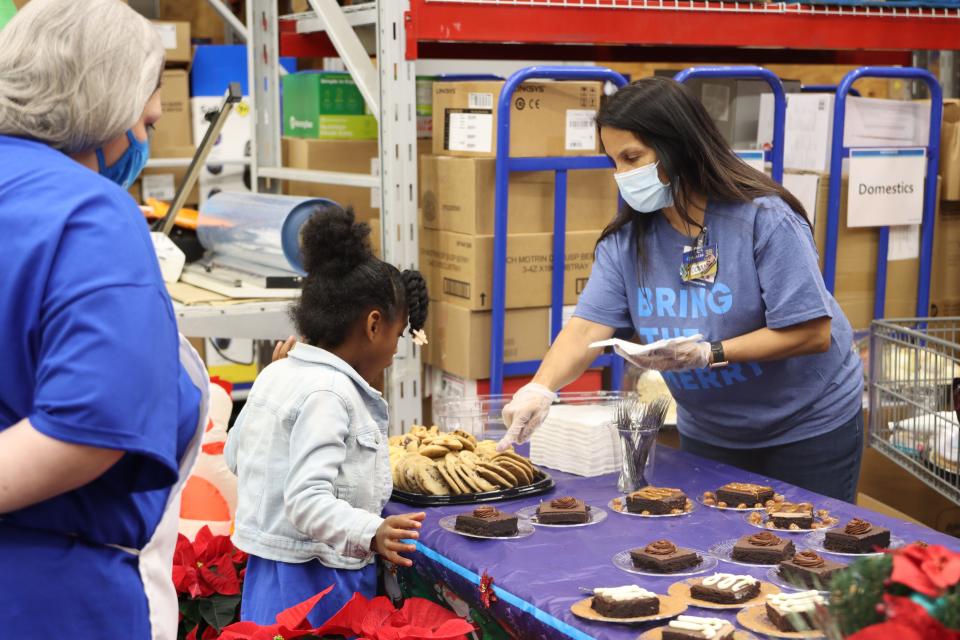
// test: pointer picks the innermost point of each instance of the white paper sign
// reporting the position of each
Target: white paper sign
(904, 242)
(752, 157)
(804, 186)
(159, 186)
(581, 130)
(470, 132)
(886, 187)
(168, 34)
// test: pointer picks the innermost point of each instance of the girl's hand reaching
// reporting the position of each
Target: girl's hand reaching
(387, 541)
(282, 348)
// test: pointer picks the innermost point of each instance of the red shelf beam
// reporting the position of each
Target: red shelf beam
(687, 24)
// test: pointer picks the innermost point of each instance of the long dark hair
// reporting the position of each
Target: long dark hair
(345, 280)
(666, 117)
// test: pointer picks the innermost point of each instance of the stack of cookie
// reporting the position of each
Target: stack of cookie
(439, 464)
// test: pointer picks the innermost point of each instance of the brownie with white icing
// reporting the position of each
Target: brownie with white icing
(725, 588)
(698, 628)
(794, 611)
(630, 601)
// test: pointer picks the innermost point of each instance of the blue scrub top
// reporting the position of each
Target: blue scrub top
(90, 356)
(768, 277)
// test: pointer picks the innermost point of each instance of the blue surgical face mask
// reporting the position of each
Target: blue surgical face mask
(642, 190)
(128, 166)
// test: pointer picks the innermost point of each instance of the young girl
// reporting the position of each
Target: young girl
(310, 446)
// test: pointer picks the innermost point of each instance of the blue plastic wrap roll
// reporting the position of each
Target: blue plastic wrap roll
(259, 228)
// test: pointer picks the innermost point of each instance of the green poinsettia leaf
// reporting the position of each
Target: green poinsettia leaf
(219, 611)
(190, 609)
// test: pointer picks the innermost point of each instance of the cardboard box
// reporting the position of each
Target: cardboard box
(351, 156)
(162, 183)
(175, 128)
(857, 266)
(546, 118)
(233, 144)
(870, 122)
(176, 41)
(460, 338)
(308, 94)
(457, 194)
(950, 150)
(443, 385)
(375, 237)
(945, 285)
(459, 267)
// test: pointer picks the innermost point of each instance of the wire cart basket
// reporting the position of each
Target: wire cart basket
(914, 387)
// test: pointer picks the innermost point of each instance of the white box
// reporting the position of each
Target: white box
(869, 122)
(232, 144)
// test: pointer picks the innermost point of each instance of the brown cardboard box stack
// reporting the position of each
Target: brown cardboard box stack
(172, 136)
(945, 287)
(457, 217)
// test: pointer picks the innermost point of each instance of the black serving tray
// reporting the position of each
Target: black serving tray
(542, 485)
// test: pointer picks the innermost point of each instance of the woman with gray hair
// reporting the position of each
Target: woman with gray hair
(101, 404)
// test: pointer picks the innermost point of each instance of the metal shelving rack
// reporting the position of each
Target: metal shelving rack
(397, 31)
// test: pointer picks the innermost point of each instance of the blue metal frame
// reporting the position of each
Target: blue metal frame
(779, 101)
(838, 152)
(560, 165)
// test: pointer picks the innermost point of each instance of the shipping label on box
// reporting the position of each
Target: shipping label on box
(546, 118)
(175, 37)
(459, 268)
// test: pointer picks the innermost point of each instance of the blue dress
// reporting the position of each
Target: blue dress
(90, 357)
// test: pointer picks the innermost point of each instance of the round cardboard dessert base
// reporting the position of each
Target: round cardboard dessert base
(657, 634)
(596, 515)
(682, 590)
(622, 510)
(815, 540)
(524, 529)
(669, 607)
(818, 521)
(700, 499)
(755, 619)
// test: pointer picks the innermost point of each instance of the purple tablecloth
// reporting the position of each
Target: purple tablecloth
(540, 574)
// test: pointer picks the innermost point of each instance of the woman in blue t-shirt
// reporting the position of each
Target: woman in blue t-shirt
(101, 402)
(709, 248)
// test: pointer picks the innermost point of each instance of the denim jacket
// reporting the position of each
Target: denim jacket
(311, 455)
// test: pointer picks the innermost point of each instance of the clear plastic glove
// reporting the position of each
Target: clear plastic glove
(524, 413)
(673, 357)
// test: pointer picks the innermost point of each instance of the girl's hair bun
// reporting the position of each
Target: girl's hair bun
(333, 243)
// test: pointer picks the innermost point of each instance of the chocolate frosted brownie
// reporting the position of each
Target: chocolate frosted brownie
(794, 611)
(735, 494)
(487, 521)
(725, 588)
(697, 628)
(859, 536)
(663, 556)
(625, 602)
(565, 510)
(762, 548)
(786, 514)
(657, 501)
(809, 570)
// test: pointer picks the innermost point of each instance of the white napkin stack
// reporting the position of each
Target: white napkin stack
(577, 439)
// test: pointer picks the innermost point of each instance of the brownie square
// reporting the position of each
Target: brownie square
(697, 628)
(762, 548)
(663, 556)
(809, 570)
(625, 602)
(737, 493)
(725, 588)
(656, 500)
(565, 510)
(786, 514)
(793, 611)
(487, 521)
(858, 536)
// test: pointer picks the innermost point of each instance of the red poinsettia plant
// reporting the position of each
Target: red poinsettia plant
(360, 618)
(207, 574)
(911, 593)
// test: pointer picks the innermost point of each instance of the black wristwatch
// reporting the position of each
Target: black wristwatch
(717, 358)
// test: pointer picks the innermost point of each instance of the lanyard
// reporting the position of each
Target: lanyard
(700, 263)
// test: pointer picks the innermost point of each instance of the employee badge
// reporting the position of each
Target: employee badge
(700, 262)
